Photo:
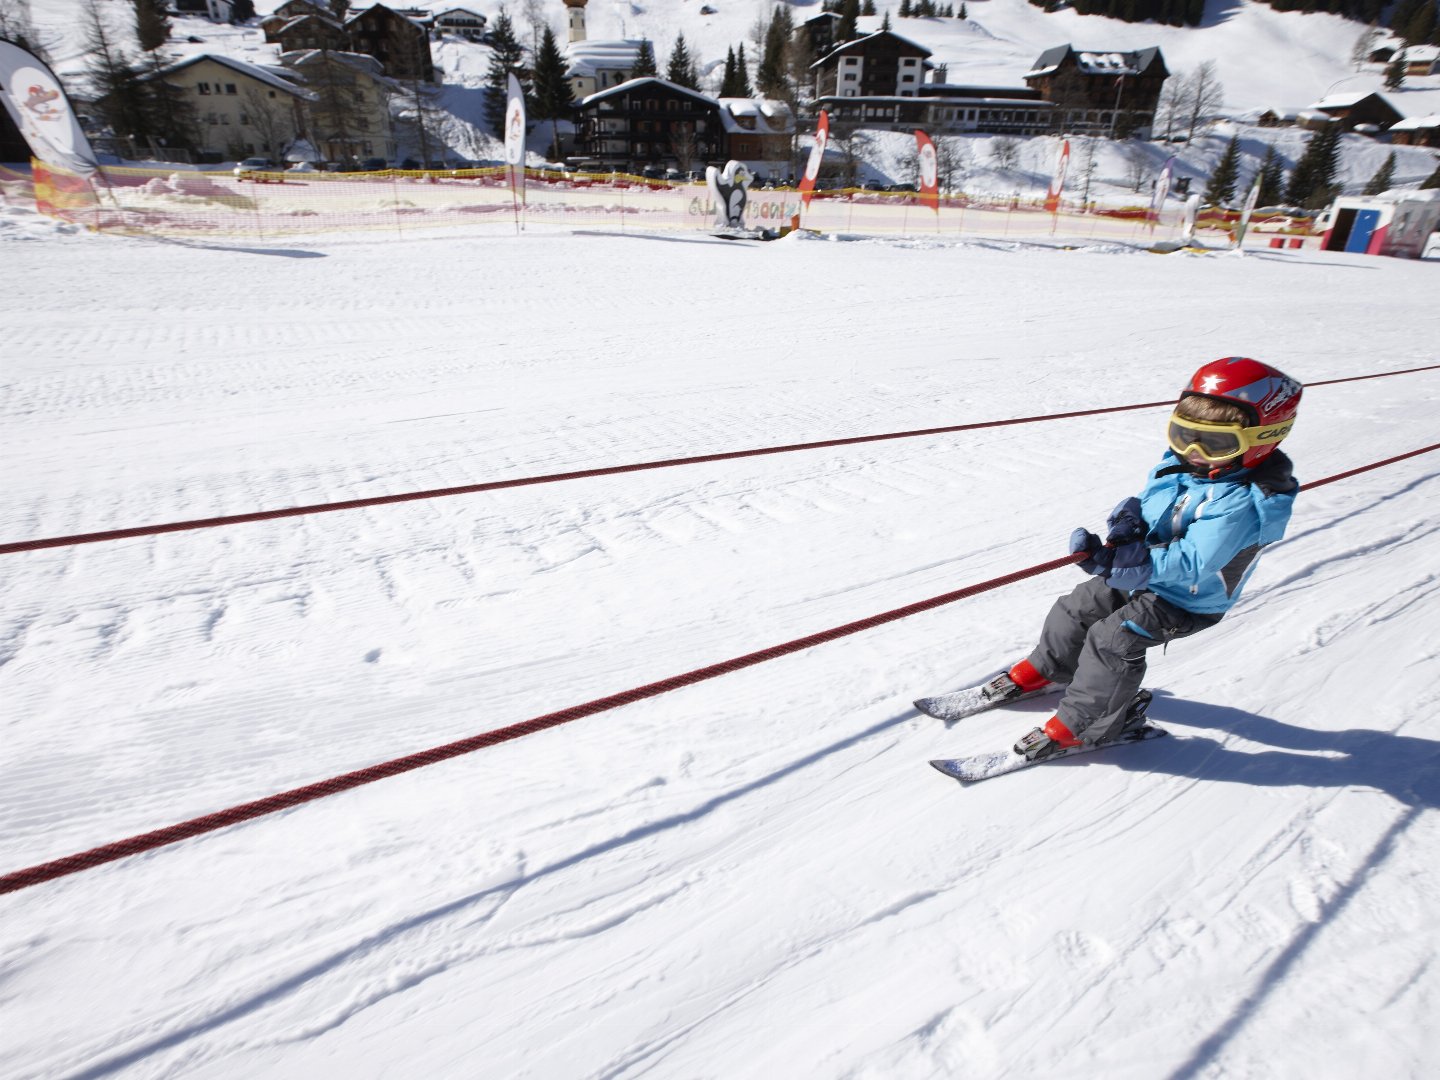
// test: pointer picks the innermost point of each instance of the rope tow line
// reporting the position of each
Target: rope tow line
(234, 815)
(581, 474)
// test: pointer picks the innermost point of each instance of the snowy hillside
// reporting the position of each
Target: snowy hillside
(756, 876)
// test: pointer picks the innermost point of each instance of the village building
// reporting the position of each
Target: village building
(347, 112)
(400, 43)
(241, 110)
(882, 64)
(461, 22)
(1099, 92)
(649, 121)
(1366, 113)
(1417, 131)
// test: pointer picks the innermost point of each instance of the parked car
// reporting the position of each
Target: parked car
(247, 169)
(373, 164)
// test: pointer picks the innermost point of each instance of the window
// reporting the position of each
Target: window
(204, 88)
(244, 120)
(850, 76)
(230, 88)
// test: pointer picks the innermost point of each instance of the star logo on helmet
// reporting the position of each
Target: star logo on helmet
(1210, 384)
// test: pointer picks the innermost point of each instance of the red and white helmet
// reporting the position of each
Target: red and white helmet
(1265, 394)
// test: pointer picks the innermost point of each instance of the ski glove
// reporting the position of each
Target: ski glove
(1126, 523)
(1124, 566)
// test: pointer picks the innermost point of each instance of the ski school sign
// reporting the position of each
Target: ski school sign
(781, 206)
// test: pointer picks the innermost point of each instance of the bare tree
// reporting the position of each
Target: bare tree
(1085, 166)
(533, 12)
(1137, 165)
(1204, 95)
(684, 145)
(273, 120)
(852, 146)
(1005, 154)
(16, 26)
(1168, 107)
(952, 162)
(1364, 45)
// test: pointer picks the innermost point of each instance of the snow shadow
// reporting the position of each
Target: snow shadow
(1404, 767)
(499, 894)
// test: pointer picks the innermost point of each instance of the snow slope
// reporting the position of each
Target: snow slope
(755, 876)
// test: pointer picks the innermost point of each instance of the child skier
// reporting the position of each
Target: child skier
(1174, 559)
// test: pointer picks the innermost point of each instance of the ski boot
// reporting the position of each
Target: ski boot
(1046, 741)
(1009, 685)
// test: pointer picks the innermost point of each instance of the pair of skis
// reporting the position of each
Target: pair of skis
(953, 707)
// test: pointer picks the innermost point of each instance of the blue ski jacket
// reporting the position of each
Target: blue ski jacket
(1205, 536)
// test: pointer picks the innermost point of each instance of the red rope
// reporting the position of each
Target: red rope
(70, 864)
(582, 474)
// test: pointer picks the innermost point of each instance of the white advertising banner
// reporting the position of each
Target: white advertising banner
(40, 109)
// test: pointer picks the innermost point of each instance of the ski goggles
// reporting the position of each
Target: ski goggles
(1221, 442)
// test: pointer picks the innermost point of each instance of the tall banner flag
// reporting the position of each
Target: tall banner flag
(817, 155)
(929, 171)
(1057, 182)
(40, 109)
(1162, 189)
(515, 141)
(1250, 201)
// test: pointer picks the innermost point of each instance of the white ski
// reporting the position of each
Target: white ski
(969, 770)
(967, 702)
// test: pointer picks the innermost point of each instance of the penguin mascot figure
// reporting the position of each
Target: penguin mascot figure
(728, 191)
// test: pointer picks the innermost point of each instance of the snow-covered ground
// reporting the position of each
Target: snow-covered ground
(757, 876)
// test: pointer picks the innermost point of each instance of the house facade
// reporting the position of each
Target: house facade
(347, 110)
(309, 32)
(592, 66)
(1103, 93)
(217, 11)
(757, 129)
(882, 64)
(241, 110)
(461, 22)
(1417, 131)
(400, 44)
(649, 121)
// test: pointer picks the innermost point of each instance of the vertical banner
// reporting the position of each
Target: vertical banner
(1250, 201)
(60, 193)
(1162, 189)
(40, 109)
(1057, 182)
(929, 171)
(515, 143)
(817, 155)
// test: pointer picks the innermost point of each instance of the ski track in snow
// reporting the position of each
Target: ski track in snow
(757, 875)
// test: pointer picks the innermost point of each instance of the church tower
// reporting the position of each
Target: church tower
(576, 11)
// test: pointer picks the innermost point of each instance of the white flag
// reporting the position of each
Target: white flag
(1250, 201)
(515, 124)
(40, 109)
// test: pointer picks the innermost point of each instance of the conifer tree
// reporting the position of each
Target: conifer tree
(770, 74)
(553, 95)
(727, 81)
(506, 57)
(742, 73)
(152, 25)
(1395, 71)
(868, 7)
(1383, 178)
(1313, 181)
(846, 30)
(1272, 177)
(681, 68)
(885, 22)
(644, 61)
(905, 9)
(1433, 180)
(1221, 189)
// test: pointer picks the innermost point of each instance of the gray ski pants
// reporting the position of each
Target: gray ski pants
(1095, 639)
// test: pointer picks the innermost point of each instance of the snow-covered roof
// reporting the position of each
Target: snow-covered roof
(591, 57)
(859, 43)
(1094, 62)
(1342, 101)
(1416, 123)
(253, 71)
(633, 83)
(769, 117)
(1107, 63)
(1419, 54)
(460, 11)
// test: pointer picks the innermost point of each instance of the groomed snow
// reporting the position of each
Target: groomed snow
(757, 876)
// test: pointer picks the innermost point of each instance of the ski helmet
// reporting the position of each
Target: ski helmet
(1266, 395)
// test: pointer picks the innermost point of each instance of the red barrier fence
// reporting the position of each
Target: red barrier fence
(71, 864)
(612, 470)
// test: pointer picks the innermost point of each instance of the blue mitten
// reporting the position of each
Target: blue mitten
(1126, 523)
(1097, 555)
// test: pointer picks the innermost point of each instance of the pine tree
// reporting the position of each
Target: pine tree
(152, 25)
(846, 30)
(1221, 189)
(905, 9)
(506, 57)
(1395, 71)
(742, 73)
(885, 22)
(114, 79)
(553, 95)
(1272, 177)
(1433, 180)
(770, 77)
(1383, 178)
(644, 61)
(867, 7)
(1313, 181)
(681, 68)
(964, 12)
(727, 81)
